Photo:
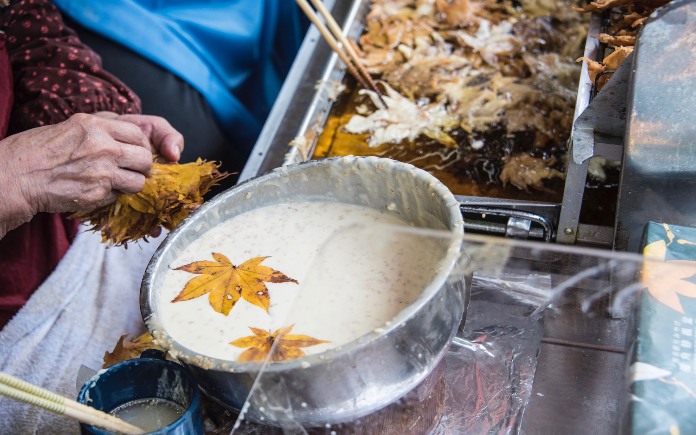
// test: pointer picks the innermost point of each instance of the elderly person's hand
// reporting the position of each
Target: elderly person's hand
(164, 139)
(79, 164)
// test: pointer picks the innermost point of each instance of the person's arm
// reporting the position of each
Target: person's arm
(55, 74)
(76, 165)
(80, 162)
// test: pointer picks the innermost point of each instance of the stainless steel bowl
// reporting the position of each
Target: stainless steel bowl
(360, 377)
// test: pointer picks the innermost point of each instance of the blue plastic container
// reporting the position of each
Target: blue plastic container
(145, 378)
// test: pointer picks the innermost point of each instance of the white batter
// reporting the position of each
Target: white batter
(352, 277)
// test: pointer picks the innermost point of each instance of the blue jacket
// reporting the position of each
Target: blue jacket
(234, 52)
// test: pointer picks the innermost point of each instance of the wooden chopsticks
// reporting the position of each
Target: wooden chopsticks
(345, 50)
(18, 389)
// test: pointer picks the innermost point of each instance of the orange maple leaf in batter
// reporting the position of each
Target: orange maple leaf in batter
(288, 345)
(227, 283)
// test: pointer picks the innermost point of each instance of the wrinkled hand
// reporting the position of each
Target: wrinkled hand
(79, 164)
(163, 138)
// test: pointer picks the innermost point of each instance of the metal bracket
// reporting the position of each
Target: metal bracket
(598, 131)
(518, 224)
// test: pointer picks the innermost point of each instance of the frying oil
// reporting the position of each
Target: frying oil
(467, 170)
(149, 414)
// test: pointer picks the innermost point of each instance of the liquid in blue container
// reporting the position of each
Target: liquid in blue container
(154, 394)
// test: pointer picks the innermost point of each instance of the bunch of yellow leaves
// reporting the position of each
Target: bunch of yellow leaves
(171, 193)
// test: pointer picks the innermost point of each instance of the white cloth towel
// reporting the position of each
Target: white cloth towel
(77, 314)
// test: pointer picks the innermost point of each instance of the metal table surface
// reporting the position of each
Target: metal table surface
(579, 383)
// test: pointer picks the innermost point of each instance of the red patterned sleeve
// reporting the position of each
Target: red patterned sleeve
(55, 74)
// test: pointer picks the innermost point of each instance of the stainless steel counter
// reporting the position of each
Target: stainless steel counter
(579, 385)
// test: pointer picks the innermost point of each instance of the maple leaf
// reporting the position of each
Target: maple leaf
(129, 349)
(227, 283)
(289, 346)
(669, 280)
(171, 192)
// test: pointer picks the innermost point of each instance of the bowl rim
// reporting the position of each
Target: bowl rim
(191, 357)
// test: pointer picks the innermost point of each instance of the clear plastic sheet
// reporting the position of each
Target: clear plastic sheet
(483, 382)
(514, 295)
(491, 363)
